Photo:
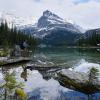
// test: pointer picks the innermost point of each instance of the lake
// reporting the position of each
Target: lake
(68, 56)
(38, 88)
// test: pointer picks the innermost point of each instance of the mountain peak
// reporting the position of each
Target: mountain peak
(48, 18)
(50, 14)
(47, 13)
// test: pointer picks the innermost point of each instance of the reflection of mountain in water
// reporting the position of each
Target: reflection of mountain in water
(38, 88)
(65, 56)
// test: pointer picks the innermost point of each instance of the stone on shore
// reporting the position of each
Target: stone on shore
(77, 81)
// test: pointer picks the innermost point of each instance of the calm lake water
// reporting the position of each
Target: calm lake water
(38, 88)
(68, 57)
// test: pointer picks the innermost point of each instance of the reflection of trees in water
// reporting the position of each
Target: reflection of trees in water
(6, 69)
(24, 74)
(10, 89)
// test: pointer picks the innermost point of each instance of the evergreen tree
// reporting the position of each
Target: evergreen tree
(91, 40)
(93, 75)
(12, 36)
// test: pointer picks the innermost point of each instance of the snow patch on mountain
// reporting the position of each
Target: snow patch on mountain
(13, 20)
(50, 21)
(47, 23)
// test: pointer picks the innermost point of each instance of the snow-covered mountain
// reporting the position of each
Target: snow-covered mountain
(13, 20)
(53, 30)
(49, 21)
(50, 28)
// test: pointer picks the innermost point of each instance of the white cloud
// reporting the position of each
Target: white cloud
(86, 14)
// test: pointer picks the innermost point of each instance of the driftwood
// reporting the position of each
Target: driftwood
(77, 81)
(39, 68)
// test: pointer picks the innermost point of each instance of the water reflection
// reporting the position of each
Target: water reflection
(38, 88)
(40, 85)
(67, 56)
(24, 74)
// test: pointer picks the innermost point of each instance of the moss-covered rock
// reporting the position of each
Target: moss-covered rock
(77, 81)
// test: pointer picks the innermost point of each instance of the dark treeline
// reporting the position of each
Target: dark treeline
(11, 36)
(92, 39)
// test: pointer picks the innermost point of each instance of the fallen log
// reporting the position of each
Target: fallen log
(39, 68)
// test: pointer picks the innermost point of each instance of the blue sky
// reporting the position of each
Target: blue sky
(85, 13)
(80, 1)
(84, 1)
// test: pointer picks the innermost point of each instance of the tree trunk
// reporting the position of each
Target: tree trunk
(89, 97)
(5, 94)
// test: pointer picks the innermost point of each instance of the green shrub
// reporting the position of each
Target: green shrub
(3, 53)
(21, 94)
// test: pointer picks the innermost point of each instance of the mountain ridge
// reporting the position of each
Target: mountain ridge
(14, 21)
(53, 30)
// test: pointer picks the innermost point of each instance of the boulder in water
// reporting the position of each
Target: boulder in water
(77, 81)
